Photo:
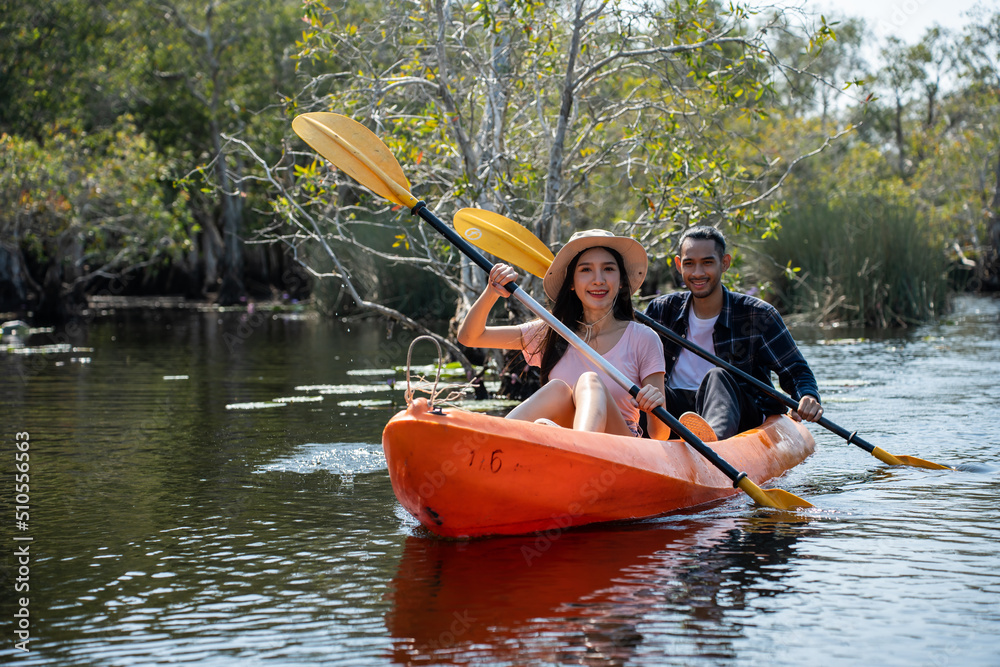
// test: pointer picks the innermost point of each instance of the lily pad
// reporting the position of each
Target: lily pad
(345, 388)
(256, 405)
(452, 370)
(58, 348)
(377, 372)
(297, 399)
(489, 405)
(366, 403)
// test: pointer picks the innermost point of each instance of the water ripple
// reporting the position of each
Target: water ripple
(169, 529)
(339, 458)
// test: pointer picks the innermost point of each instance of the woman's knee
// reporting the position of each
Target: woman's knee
(558, 387)
(590, 388)
(589, 381)
(554, 400)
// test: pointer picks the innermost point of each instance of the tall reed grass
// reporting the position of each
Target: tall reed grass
(863, 260)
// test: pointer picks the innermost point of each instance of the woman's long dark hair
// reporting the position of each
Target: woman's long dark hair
(568, 309)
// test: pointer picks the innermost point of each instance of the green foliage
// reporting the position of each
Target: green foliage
(181, 78)
(98, 201)
(561, 116)
(652, 116)
(216, 67)
(41, 46)
(855, 243)
(876, 223)
(867, 260)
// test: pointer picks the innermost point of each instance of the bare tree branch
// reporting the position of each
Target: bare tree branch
(791, 166)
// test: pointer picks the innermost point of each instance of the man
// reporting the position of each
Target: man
(740, 329)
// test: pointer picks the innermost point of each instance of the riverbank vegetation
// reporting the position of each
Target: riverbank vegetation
(146, 148)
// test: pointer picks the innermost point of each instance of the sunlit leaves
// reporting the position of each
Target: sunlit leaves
(661, 140)
(107, 191)
(825, 34)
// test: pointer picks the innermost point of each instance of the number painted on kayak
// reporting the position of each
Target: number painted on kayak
(495, 461)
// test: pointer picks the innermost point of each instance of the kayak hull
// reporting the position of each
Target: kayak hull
(463, 474)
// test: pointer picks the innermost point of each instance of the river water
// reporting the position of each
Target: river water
(209, 488)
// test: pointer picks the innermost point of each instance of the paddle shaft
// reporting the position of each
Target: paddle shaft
(852, 438)
(469, 251)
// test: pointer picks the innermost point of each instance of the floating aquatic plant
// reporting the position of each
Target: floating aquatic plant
(256, 405)
(298, 399)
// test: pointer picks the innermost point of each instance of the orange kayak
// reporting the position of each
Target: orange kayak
(463, 474)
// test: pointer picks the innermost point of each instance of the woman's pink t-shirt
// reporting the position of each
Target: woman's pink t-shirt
(638, 354)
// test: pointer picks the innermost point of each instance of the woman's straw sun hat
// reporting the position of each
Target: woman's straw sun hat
(632, 252)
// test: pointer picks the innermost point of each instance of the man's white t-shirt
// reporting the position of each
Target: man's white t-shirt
(690, 369)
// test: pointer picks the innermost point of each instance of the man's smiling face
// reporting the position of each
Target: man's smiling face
(701, 267)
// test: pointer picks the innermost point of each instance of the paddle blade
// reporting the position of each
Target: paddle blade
(505, 239)
(355, 150)
(894, 460)
(921, 463)
(777, 498)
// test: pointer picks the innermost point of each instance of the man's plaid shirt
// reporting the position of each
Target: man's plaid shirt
(750, 335)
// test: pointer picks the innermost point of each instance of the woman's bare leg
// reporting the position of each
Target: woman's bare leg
(596, 411)
(587, 406)
(553, 401)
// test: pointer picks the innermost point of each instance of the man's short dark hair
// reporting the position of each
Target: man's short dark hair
(704, 233)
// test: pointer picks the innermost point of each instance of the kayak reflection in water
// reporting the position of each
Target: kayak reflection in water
(590, 282)
(683, 588)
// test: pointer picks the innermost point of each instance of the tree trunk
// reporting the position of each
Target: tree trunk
(899, 136)
(547, 228)
(991, 254)
(232, 288)
(211, 251)
(931, 100)
(50, 307)
(13, 291)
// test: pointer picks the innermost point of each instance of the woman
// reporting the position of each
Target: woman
(591, 281)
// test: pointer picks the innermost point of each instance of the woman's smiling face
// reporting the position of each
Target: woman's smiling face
(596, 279)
